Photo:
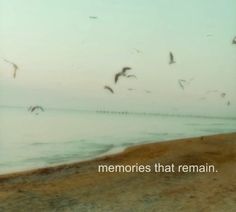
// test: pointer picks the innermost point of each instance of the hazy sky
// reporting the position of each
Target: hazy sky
(65, 58)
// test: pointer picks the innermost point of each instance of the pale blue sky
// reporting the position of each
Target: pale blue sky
(65, 58)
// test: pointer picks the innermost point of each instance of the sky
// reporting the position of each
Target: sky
(65, 58)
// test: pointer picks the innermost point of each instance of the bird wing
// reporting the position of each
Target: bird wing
(14, 66)
(117, 77)
(181, 83)
(14, 74)
(40, 107)
(33, 109)
(125, 69)
(108, 88)
(171, 56)
(234, 40)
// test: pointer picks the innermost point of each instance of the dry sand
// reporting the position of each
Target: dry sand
(79, 186)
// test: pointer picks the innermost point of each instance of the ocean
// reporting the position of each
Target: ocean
(30, 140)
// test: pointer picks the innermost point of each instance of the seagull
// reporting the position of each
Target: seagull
(171, 58)
(181, 83)
(228, 103)
(108, 88)
(223, 95)
(209, 35)
(147, 91)
(121, 73)
(93, 17)
(234, 40)
(138, 51)
(131, 89)
(33, 108)
(14, 66)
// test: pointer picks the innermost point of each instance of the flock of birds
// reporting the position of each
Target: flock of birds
(124, 74)
(182, 82)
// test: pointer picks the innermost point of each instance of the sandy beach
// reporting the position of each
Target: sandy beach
(80, 187)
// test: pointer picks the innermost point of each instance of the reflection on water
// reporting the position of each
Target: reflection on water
(28, 141)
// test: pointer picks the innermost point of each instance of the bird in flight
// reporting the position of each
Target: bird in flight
(34, 108)
(121, 73)
(15, 67)
(93, 17)
(108, 88)
(209, 35)
(172, 60)
(223, 95)
(228, 103)
(183, 82)
(147, 91)
(234, 40)
(138, 51)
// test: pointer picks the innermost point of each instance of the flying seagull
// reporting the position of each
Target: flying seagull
(14, 66)
(147, 91)
(108, 88)
(131, 89)
(209, 35)
(228, 103)
(223, 95)
(34, 108)
(121, 73)
(181, 83)
(234, 40)
(93, 17)
(138, 51)
(172, 60)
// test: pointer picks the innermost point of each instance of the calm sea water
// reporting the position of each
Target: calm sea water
(59, 136)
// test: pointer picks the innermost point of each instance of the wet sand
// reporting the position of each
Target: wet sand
(79, 186)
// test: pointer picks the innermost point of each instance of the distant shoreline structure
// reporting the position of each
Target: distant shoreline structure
(126, 112)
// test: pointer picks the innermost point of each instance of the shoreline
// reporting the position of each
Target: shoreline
(111, 152)
(80, 187)
(102, 156)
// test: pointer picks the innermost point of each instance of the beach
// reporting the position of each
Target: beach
(80, 187)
